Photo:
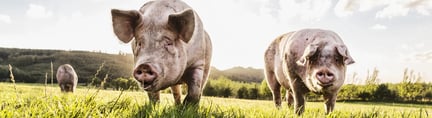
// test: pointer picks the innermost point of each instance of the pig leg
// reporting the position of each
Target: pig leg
(274, 87)
(74, 88)
(289, 97)
(193, 78)
(62, 88)
(299, 103)
(330, 100)
(69, 87)
(176, 90)
(299, 91)
(66, 87)
(154, 96)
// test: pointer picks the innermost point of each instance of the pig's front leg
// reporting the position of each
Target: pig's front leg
(176, 91)
(330, 100)
(193, 78)
(299, 91)
(299, 102)
(154, 96)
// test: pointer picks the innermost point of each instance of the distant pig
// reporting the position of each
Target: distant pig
(67, 78)
(170, 47)
(306, 60)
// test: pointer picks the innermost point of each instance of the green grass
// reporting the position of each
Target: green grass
(33, 100)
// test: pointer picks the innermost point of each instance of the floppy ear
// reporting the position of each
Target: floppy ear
(308, 52)
(124, 23)
(342, 50)
(183, 23)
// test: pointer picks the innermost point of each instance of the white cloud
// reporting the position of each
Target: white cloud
(393, 10)
(344, 8)
(283, 10)
(379, 27)
(5, 18)
(418, 53)
(385, 8)
(423, 7)
(309, 10)
(38, 12)
(347, 7)
(424, 56)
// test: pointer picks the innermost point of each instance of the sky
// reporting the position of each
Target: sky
(389, 35)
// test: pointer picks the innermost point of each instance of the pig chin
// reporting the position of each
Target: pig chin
(156, 85)
(315, 86)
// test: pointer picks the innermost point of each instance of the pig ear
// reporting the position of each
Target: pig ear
(184, 23)
(124, 23)
(308, 52)
(342, 50)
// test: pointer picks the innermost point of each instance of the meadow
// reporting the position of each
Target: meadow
(39, 100)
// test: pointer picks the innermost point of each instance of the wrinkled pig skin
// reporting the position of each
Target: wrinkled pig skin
(170, 47)
(303, 61)
(67, 78)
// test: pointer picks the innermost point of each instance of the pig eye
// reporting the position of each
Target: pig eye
(338, 59)
(138, 43)
(169, 45)
(168, 41)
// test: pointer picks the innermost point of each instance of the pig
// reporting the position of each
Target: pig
(170, 48)
(67, 78)
(303, 61)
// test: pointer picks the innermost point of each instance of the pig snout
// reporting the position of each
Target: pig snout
(325, 77)
(146, 73)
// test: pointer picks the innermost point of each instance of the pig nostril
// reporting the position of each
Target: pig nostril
(139, 72)
(320, 74)
(150, 73)
(329, 74)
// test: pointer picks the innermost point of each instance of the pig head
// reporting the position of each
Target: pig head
(307, 60)
(170, 47)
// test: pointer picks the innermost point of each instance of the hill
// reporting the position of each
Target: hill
(239, 74)
(30, 65)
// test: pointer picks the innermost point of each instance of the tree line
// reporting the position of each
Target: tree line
(410, 89)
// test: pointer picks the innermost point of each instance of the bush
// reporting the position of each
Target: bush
(125, 84)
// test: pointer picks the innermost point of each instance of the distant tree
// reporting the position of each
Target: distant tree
(226, 92)
(125, 84)
(410, 88)
(264, 90)
(364, 95)
(253, 93)
(383, 93)
(348, 92)
(209, 90)
(311, 96)
(20, 75)
(4, 73)
(242, 92)
(428, 93)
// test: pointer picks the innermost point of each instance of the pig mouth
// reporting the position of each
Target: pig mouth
(325, 85)
(149, 85)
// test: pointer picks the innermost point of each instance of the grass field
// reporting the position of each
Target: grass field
(36, 100)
